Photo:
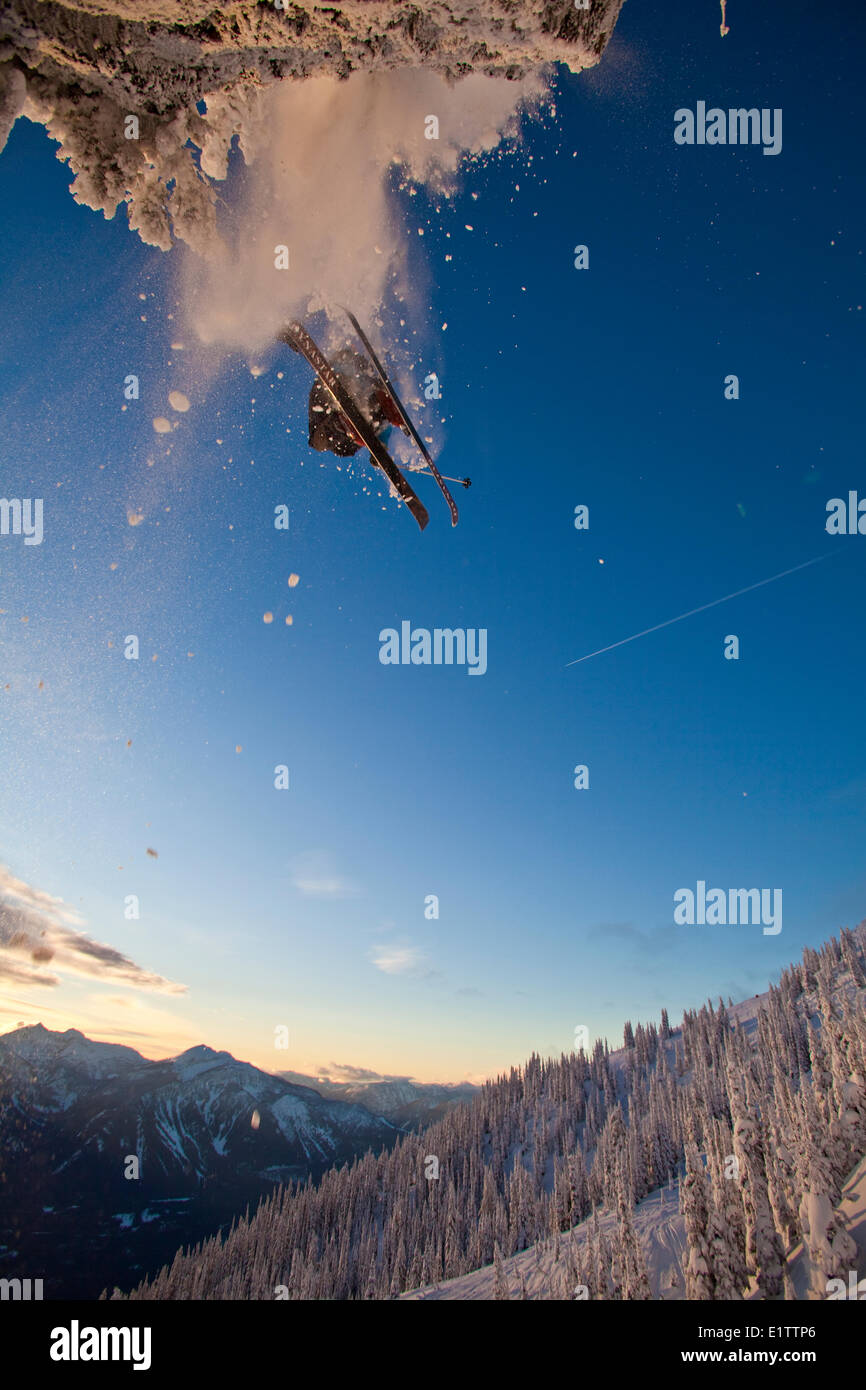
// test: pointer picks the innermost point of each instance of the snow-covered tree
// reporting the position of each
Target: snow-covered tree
(764, 1251)
(694, 1204)
(831, 1250)
(500, 1282)
(635, 1277)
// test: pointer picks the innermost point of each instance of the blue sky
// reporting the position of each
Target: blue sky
(560, 387)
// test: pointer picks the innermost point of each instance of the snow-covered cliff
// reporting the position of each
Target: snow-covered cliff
(163, 55)
(194, 74)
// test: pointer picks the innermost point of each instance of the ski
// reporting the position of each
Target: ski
(383, 377)
(298, 338)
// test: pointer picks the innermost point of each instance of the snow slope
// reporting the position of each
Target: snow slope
(853, 1208)
(544, 1271)
(545, 1274)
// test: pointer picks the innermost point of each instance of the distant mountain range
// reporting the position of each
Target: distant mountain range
(211, 1134)
(407, 1104)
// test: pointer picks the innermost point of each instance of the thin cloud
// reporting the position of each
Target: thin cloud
(394, 959)
(314, 875)
(35, 930)
(15, 890)
(344, 1071)
(322, 887)
(17, 974)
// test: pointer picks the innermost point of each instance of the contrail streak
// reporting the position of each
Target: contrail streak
(704, 606)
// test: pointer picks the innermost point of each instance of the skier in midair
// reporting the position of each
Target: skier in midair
(330, 431)
(352, 403)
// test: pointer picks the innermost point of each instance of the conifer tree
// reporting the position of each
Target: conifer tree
(764, 1251)
(500, 1282)
(694, 1205)
(831, 1250)
(636, 1284)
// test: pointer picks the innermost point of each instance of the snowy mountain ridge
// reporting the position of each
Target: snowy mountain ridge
(110, 1098)
(209, 1135)
(406, 1103)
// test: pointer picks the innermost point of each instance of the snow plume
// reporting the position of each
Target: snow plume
(320, 154)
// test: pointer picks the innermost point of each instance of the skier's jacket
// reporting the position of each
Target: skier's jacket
(330, 431)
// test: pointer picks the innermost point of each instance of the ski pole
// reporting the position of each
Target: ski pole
(466, 482)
